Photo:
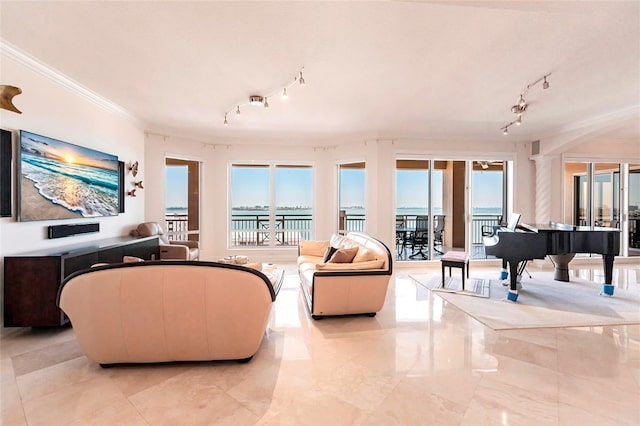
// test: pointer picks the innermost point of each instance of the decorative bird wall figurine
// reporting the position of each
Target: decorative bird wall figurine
(132, 192)
(6, 97)
(138, 184)
(133, 168)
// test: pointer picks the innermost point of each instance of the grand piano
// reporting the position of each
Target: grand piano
(559, 241)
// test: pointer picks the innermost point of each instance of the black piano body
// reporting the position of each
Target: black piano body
(559, 241)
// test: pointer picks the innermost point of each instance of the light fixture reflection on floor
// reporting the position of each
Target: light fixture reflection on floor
(262, 100)
(521, 106)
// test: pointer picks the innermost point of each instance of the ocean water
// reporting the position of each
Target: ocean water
(83, 189)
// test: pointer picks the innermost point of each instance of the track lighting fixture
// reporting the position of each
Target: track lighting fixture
(521, 106)
(260, 100)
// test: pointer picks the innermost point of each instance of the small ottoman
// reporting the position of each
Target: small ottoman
(455, 259)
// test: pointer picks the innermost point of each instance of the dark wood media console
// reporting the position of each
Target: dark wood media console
(32, 280)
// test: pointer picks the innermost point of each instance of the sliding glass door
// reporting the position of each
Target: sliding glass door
(488, 201)
(412, 209)
(633, 204)
(351, 197)
(271, 204)
(182, 199)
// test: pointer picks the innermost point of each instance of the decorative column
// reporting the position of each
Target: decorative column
(548, 189)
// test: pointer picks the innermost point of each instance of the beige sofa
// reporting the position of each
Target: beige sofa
(358, 287)
(168, 311)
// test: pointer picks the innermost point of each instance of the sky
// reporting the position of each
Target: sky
(176, 184)
(250, 186)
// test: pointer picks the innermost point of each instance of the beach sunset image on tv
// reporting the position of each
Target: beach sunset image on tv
(59, 180)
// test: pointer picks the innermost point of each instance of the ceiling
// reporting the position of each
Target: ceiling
(446, 70)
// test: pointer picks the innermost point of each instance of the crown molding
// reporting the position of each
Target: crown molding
(23, 58)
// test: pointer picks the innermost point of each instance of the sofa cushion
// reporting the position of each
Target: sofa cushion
(364, 255)
(313, 248)
(304, 259)
(328, 253)
(344, 255)
(371, 264)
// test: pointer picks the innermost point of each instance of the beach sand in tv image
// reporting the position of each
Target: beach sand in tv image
(60, 180)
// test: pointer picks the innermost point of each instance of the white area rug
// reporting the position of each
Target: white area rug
(542, 302)
(478, 287)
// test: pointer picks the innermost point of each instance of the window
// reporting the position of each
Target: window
(182, 199)
(488, 197)
(351, 183)
(271, 204)
(412, 209)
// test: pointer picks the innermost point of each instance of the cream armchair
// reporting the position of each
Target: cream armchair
(182, 250)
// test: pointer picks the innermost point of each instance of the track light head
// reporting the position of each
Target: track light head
(545, 83)
(225, 119)
(517, 109)
(284, 93)
(266, 103)
(238, 110)
(504, 130)
(521, 102)
(519, 120)
(302, 82)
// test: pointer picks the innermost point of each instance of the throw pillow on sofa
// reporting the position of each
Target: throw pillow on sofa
(364, 255)
(344, 255)
(328, 253)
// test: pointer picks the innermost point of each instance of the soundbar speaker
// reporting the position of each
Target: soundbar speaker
(5, 173)
(60, 231)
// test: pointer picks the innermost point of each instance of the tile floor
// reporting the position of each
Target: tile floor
(420, 361)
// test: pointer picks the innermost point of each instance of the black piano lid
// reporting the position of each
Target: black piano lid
(557, 226)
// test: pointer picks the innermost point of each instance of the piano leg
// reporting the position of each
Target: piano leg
(512, 294)
(607, 262)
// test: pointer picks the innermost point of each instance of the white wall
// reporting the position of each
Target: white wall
(53, 110)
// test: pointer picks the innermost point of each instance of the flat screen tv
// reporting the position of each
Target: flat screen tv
(59, 180)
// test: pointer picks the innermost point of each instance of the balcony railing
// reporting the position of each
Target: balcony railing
(177, 226)
(477, 222)
(256, 229)
(290, 229)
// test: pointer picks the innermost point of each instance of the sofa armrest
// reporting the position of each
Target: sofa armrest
(174, 251)
(188, 243)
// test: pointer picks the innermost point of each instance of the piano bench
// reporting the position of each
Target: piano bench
(455, 259)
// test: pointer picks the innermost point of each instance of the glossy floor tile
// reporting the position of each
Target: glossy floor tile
(420, 361)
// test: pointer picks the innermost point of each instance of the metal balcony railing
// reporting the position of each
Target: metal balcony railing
(290, 229)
